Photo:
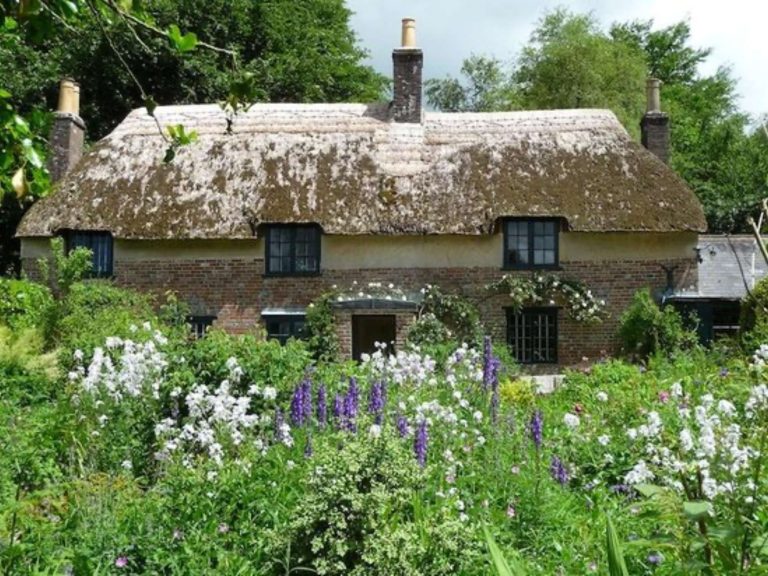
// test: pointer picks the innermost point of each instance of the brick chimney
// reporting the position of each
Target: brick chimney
(655, 124)
(408, 63)
(68, 131)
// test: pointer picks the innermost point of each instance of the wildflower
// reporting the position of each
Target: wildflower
(640, 474)
(223, 528)
(269, 393)
(420, 443)
(536, 428)
(578, 408)
(374, 431)
(377, 400)
(558, 471)
(604, 440)
(602, 396)
(402, 426)
(655, 558)
(663, 396)
(338, 409)
(511, 512)
(322, 406)
(121, 561)
(515, 469)
(571, 420)
(491, 365)
(676, 390)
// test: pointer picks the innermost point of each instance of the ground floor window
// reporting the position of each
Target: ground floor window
(284, 327)
(532, 335)
(370, 331)
(199, 325)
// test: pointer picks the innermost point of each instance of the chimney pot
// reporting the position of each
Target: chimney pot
(408, 62)
(652, 90)
(654, 127)
(67, 132)
(69, 97)
(409, 33)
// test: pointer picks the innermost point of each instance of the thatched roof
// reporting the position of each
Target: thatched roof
(351, 170)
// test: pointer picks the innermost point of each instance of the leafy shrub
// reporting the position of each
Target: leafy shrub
(94, 310)
(754, 316)
(23, 303)
(647, 329)
(322, 340)
(357, 515)
(26, 374)
(517, 392)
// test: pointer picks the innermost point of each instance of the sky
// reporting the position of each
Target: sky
(450, 30)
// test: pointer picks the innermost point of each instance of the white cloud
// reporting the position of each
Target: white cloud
(450, 30)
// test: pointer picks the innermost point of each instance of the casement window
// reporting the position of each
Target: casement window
(284, 327)
(199, 325)
(100, 245)
(532, 335)
(531, 243)
(293, 250)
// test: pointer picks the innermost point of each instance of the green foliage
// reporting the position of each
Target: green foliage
(487, 88)
(754, 315)
(367, 518)
(455, 312)
(320, 328)
(570, 62)
(23, 303)
(502, 566)
(94, 310)
(26, 372)
(616, 564)
(647, 329)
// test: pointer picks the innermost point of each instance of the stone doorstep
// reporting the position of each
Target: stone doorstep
(544, 383)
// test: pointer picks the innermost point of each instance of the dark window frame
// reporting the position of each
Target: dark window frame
(292, 319)
(531, 265)
(195, 320)
(317, 243)
(552, 312)
(93, 236)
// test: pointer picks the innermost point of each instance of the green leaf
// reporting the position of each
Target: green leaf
(4, 93)
(30, 154)
(648, 490)
(697, 510)
(183, 43)
(10, 24)
(150, 105)
(503, 567)
(616, 564)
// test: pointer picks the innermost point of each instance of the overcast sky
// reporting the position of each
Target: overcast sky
(450, 30)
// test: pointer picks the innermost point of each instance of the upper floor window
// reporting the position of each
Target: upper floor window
(100, 245)
(531, 243)
(293, 249)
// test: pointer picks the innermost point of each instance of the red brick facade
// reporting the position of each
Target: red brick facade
(236, 292)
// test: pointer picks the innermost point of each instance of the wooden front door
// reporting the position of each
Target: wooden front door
(367, 330)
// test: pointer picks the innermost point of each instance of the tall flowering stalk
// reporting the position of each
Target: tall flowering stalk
(536, 428)
(338, 410)
(420, 443)
(322, 406)
(377, 401)
(558, 471)
(491, 366)
(301, 403)
(401, 423)
(351, 403)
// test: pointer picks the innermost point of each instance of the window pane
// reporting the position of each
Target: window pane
(532, 335)
(293, 249)
(100, 245)
(282, 328)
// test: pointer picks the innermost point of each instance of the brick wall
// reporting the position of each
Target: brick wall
(236, 291)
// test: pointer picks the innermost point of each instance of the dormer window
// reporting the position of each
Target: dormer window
(531, 243)
(100, 245)
(293, 250)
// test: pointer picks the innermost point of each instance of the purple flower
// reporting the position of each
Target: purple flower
(301, 403)
(322, 406)
(402, 426)
(338, 410)
(420, 442)
(121, 561)
(351, 402)
(558, 471)
(723, 372)
(537, 428)
(491, 365)
(655, 558)
(306, 404)
(377, 400)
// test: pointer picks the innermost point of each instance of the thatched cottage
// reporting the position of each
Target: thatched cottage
(258, 217)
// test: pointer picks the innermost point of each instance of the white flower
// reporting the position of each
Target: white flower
(126, 465)
(478, 416)
(686, 440)
(602, 396)
(726, 408)
(374, 431)
(290, 464)
(604, 440)
(269, 393)
(639, 474)
(676, 390)
(571, 420)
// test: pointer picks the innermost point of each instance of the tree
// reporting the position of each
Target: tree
(570, 63)
(128, 53)
(486, 88)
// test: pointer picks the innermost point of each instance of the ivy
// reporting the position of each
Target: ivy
(551, 289)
